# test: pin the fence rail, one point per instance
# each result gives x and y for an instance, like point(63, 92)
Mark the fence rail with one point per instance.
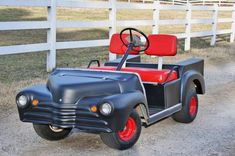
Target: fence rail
point(192, 2)
point(52, 24)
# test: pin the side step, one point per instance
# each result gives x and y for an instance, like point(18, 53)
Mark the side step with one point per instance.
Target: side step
point(164, 113)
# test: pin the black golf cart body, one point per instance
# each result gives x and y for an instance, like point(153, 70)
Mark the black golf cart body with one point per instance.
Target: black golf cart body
point(66, 100)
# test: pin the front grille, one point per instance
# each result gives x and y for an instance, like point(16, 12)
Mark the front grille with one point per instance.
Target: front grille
point(66, 116)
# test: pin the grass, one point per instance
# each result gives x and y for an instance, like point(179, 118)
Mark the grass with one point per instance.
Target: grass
point(15, 68)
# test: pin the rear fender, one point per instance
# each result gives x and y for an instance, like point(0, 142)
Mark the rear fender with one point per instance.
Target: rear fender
point(192, 77)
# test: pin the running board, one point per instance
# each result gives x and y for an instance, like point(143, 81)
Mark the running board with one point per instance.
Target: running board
point(163, 114)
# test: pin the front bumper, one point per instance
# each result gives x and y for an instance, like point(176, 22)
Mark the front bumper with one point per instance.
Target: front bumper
point(65, 116)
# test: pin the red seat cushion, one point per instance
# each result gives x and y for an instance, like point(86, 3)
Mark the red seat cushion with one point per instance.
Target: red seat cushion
point(162, 45)
point(117, 47)
point(146, 74)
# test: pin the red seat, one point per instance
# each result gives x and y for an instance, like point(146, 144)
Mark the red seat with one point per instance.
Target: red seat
point(146, 74)
point(160, 45)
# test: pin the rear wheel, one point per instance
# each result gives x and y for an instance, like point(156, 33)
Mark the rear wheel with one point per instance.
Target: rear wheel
point(51, 133)
point(190, 107)
point(127, 137)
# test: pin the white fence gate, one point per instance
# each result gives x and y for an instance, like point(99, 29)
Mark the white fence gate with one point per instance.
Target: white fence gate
point(52, 24)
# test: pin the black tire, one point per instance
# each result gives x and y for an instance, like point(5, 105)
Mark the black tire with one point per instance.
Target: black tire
point(47, 133)
point(186, 115)
point(114, 140)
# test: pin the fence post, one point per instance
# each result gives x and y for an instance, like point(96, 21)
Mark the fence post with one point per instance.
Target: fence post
point(113, 26)
point(51, 36)
point(232, 37)
point(188, 28)
point(156, 17)
point(214, 24)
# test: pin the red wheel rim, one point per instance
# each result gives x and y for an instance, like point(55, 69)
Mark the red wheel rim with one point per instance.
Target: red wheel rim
point(193, 106)
point(129, 130)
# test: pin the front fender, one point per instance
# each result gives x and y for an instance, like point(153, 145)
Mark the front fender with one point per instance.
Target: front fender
point(39, 92)
point(192, 77)
point(123, 105)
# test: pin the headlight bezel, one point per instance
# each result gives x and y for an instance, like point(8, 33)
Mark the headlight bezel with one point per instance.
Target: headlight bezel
point(109, 105)
point(19, 104)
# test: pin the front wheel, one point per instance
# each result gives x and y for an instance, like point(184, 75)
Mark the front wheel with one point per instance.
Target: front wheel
point(127, 137)
point(51, 133)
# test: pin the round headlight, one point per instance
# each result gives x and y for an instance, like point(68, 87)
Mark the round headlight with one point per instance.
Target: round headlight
point(106, 109)
point(22, 100)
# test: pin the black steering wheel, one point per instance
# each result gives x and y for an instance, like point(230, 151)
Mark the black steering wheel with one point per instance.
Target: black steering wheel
point(134, 39)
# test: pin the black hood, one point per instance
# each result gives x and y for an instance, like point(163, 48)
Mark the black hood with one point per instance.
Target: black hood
point(70, 86)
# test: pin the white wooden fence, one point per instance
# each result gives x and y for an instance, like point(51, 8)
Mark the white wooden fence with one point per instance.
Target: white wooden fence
point(198, 2)
point(192, 2)
point(52, 24)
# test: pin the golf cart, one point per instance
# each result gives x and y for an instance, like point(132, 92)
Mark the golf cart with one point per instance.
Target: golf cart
point(116, 99)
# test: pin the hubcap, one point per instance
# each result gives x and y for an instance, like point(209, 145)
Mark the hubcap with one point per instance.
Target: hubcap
point(55, 129)
point(193, 106)
point(129, 130)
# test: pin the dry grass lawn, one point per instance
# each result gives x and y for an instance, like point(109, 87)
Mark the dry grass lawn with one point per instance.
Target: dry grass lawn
point(17, 71)
point(29, 66)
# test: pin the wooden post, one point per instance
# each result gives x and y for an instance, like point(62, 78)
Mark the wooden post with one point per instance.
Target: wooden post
point(188, 28)
point(214, 24)
point(51, 36)
point(113, 25)
point(232, 37)
point(156, 17)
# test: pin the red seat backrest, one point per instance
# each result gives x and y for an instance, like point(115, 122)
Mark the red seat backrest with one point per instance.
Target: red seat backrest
point(117, 47)
point(162, 45)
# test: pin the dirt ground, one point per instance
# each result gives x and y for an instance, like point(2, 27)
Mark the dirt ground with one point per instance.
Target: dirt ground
point(212, 133)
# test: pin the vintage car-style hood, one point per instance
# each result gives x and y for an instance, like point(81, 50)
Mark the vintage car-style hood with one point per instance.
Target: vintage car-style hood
point(69, 86)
